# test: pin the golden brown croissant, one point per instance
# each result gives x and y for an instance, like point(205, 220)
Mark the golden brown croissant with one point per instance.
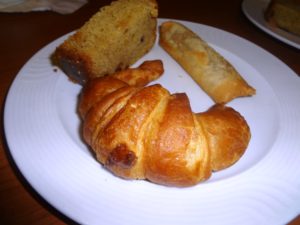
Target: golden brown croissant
point(148, 133)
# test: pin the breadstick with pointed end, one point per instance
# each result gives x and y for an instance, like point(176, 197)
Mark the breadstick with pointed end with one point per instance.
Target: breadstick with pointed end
point(213, 73)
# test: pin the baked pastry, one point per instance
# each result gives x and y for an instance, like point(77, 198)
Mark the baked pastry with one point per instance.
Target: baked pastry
point(215, 75)
point(142, 75)
point(284, 14)
point(147, 133)
point(113, 39)
point(93, 91)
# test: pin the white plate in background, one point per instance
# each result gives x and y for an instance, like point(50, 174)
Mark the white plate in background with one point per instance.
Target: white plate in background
point(254, 11)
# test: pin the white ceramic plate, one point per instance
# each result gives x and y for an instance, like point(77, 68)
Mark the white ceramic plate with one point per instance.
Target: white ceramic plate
point(254, 10)
point(43, 134)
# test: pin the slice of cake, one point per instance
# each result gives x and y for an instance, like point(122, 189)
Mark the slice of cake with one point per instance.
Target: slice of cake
point(113, 39)
point(284, 14)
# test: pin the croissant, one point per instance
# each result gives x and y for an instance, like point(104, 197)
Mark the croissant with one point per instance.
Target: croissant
point(144, 132)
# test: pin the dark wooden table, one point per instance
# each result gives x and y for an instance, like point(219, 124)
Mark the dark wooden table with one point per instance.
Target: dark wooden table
point(22, 34)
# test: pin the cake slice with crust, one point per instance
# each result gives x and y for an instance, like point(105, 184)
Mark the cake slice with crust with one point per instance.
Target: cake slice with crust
point(114, 38)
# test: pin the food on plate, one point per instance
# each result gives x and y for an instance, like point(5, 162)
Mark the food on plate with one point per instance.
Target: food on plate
point(284, 14)
point(113, 39)
point(145, 73)
point(214, 74)
point(144, 132)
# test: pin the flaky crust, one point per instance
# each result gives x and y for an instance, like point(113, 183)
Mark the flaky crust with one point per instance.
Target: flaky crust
point(228, 135)
point(147, 133)
point(177, 150)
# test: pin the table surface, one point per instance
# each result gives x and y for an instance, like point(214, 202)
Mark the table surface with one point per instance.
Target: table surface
point(22, 34)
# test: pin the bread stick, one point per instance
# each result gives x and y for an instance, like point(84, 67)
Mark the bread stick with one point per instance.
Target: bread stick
point(213, 73)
